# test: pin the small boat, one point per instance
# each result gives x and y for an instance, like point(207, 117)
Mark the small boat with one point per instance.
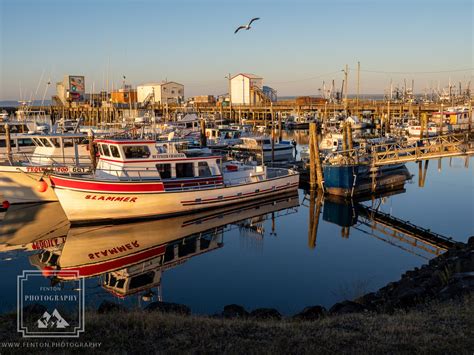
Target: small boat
point(414, 130)
point(255, 146)
point(143, 179)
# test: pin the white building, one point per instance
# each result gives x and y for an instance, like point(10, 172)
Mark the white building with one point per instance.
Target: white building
point(246, 89)
point(160, 93)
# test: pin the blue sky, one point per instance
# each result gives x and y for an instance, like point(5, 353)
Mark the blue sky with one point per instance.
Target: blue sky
point(294, 47)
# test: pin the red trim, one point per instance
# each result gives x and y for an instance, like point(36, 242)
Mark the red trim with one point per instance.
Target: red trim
point(117, 263)
point(159, 160)
point(110, 141)
point(105, 187)
point(235, 197)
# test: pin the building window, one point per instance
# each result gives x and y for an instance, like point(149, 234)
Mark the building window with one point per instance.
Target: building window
point(115, 151)
point(136, 151)
point(164, 170)
point(203, 169)
point(172, 91)
point(184, 170)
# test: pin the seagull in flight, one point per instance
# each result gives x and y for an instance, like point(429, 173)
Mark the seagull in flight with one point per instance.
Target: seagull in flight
point(247, 27)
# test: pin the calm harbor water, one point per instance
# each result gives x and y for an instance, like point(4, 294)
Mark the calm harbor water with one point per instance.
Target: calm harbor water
point(256, 255)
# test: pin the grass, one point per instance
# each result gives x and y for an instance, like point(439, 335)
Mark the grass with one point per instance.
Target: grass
point(437, 328)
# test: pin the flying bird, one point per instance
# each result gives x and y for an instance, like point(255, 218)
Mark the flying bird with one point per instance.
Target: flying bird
point(247, 27)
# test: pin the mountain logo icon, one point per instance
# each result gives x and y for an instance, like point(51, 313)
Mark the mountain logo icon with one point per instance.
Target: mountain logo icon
point(50, 321)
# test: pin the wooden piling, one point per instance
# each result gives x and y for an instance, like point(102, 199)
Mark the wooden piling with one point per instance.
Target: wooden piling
point(344, 137)
point(8, 142)
point(203, 133)
point(316, 170)
point(315, 203)
point(349, 135)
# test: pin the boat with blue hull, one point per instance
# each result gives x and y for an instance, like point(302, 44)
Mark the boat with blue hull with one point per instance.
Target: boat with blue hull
point(355, 179)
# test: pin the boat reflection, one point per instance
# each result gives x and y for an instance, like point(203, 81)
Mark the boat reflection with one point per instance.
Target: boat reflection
point(368, 219)
point(131, 257)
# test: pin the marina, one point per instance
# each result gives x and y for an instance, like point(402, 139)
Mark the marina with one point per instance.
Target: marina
point(236, 177)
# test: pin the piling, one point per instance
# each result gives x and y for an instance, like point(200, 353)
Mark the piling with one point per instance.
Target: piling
point(92, 149)
point(349, 135)
point(8, 142)
point(344, 137)
point(315, 203)
point(316, 169)
point(203, 133)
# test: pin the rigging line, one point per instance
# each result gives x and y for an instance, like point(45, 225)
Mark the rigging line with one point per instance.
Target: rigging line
point(414, 72)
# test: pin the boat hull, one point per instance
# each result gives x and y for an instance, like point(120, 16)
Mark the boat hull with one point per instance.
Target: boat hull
point(18, 185)
point(84, 201)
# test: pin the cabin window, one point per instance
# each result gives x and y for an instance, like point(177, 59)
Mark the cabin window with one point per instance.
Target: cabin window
point(164, 170)
point(37, 142)
point(203, 169)
point(120, 283)
point(25, 142)
point(142, 280)
point(184, 170)
point(136, 151)
point(106, 150)
point(55, 142)
point(101, 152)
point(266, 141)
point(68, 143)
point(115, 152)
point(45, 142)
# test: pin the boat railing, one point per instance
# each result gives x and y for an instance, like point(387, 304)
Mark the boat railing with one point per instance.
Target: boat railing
point(24, 158)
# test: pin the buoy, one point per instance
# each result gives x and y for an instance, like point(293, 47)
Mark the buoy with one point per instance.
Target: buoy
point(5, 204)
point(47, 271)
point(42, 186)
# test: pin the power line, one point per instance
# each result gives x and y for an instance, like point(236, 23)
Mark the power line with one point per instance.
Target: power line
point(414, 72)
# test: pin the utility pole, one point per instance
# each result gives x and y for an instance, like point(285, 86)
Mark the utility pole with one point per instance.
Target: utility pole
point(345, 88)
point(358, 88)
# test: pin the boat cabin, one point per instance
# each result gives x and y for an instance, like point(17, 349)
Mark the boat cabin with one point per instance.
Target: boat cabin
point(60, 148)
point(148, 159)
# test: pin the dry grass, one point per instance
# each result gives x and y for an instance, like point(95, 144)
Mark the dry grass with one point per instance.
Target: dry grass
point(439, 328)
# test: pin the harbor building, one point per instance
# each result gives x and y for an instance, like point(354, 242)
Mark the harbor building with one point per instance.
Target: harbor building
point(71, 89)
point(125, 95)
point(248, 89)
point(160, 93)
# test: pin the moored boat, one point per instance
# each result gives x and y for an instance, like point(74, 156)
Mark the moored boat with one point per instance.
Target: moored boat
point(141, 179)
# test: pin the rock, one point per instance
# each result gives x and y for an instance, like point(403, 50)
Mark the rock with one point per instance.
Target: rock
point(459, 285)
point(34, 310)
point(110, 307)
point(265, 313)
point(346, 307)
point(407, 297)
point(234, 311)
point(470, 241)
point(167, 307)
point(310, 313)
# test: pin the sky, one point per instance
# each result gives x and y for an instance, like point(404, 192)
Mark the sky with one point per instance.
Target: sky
point(296, 46)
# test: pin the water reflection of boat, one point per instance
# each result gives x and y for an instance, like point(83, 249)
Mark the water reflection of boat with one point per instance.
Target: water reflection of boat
point(33, 226)
point(147, 246)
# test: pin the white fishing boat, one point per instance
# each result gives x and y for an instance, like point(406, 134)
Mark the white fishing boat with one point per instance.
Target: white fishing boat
point(22, 174)
point(141, 178)
point(415, 129)
point(222, 137)
point(282, 151)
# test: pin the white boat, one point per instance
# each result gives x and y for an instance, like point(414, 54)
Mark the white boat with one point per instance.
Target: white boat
point(21, 174)
point(414, 130)
point(283, 150)
point(141, 178)
point(223, 137)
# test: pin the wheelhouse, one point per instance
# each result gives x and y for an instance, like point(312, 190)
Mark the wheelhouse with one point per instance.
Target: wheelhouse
point(149, 159)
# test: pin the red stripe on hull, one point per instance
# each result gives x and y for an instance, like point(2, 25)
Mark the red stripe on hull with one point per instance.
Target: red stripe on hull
point(118, 263)
point(107, 186)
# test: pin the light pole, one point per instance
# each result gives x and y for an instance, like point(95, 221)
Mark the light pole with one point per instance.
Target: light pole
point(228, 77)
